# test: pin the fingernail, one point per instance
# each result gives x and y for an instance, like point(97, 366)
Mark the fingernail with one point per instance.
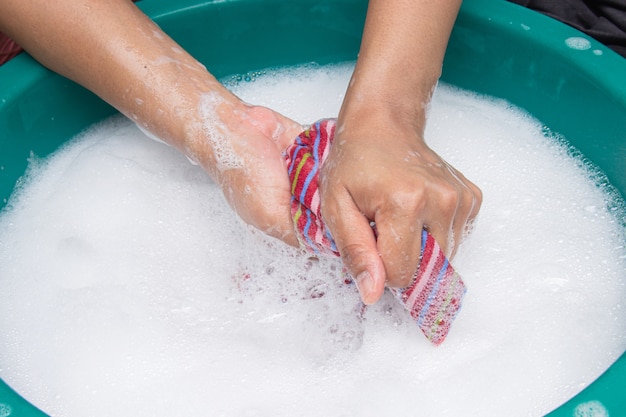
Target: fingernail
point(365, 284)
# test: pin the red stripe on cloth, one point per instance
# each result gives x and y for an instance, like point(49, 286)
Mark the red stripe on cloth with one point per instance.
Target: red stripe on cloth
point(8, 48)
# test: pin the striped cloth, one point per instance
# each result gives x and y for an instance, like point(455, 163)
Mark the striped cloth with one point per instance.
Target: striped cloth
point(434, 297)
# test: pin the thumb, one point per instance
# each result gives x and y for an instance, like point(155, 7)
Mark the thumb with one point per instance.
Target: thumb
point(281, 129)
point(356, 243)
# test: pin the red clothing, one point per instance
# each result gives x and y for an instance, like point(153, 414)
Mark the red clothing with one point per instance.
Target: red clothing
point(8, 48)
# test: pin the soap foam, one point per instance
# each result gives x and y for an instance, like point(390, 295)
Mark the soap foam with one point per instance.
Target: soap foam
point(129, 287)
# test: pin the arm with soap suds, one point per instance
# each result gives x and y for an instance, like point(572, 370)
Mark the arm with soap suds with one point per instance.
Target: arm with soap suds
point(116, 51)
point(380, 168)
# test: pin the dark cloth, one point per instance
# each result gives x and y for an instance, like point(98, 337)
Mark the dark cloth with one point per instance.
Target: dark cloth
point(603, 20)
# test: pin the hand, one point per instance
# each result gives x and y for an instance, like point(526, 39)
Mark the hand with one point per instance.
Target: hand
point(244, 156)
point(382, 171)
point(165, 90)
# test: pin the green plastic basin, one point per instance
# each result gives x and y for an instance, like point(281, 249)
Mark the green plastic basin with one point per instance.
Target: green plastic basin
point(570, 82)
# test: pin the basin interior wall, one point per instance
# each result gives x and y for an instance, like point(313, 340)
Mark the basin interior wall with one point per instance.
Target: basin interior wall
point(497, 48)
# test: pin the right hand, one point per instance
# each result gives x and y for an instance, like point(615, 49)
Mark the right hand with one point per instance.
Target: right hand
point(382, 171)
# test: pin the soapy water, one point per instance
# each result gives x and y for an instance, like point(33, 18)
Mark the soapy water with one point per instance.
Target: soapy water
point(129, 287)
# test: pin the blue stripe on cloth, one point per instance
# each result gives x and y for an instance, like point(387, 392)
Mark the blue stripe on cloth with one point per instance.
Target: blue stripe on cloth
point(307, 182)
point(316, 143)
point(311, 243)
point(433, 292)
point(333, 245)
point(293, 160)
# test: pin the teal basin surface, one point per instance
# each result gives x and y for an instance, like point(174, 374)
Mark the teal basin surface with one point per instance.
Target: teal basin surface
point(573, 84)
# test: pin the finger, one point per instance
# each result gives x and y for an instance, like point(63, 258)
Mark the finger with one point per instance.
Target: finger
point(356, 243)
point(470, 200)
point(286, 132)
point(399, 244)
point(286, 233)
point(441, 214)
point(275, 126)
point(477, 201)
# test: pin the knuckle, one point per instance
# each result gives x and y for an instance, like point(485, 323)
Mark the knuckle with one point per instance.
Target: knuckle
point(469, 200)
point(407, 199)
point(448, 199)
point(478, 195)
point(473, 200)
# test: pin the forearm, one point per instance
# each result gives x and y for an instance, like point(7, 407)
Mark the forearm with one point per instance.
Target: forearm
point(379, 167)
point(114, 50)
point(400, 59)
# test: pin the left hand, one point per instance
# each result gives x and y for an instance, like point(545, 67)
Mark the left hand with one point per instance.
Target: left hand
point(245, 159)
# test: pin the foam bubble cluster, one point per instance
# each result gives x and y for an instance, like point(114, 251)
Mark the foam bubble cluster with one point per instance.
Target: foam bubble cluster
point(128, 286)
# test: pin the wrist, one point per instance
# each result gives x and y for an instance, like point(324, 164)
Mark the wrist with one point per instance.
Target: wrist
point(207, 131)
point(379, 97)
point(382, 112)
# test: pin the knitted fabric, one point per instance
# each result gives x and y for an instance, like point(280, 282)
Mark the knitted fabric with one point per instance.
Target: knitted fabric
point(434, 297)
